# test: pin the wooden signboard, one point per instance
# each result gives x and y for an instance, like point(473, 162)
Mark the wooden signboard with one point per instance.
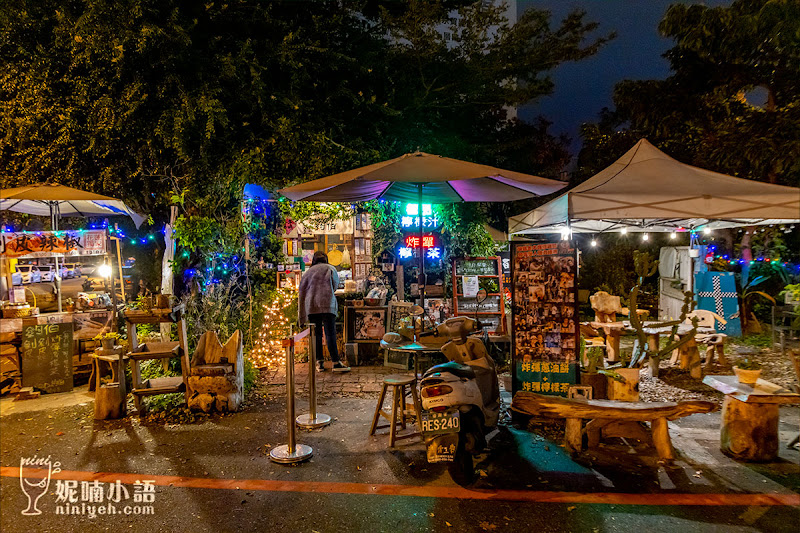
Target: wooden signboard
point(47, 357)
point(545, 328)
point(489, 273)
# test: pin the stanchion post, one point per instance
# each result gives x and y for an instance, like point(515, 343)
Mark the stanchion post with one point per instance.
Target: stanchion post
point(291, 452)
point(312, 419)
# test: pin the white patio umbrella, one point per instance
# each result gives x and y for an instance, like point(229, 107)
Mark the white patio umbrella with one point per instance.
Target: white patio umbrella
point(54, 200)
point(440, 180)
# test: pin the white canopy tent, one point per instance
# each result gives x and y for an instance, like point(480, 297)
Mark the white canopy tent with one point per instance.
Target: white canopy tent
point(645, 190)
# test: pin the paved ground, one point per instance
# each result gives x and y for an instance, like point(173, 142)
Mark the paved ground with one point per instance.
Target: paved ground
point(215, 475)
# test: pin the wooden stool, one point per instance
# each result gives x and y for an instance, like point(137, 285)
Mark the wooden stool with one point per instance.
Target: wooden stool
point(398, 383)
point(714, 341)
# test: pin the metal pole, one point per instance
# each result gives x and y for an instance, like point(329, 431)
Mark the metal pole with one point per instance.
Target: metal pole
point(291, 452)
point(57, 275)
point(421, 278)
point(290, 397)
point(312, 419)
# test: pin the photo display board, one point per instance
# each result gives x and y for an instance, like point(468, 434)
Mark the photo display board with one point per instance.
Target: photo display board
point(545, 329)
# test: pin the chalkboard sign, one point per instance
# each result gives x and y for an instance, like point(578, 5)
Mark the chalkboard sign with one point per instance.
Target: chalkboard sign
point(476, 267)
point(47, 357)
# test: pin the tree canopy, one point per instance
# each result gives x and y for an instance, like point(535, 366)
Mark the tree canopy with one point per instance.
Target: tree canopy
point(145, 99)
point(707, 112)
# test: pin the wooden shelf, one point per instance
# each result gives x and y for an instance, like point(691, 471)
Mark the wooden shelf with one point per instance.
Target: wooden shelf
point(161, 386)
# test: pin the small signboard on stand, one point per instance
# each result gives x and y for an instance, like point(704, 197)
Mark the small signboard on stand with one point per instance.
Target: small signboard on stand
point(47, 357)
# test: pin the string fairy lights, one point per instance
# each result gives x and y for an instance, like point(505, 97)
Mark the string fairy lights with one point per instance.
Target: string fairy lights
point(268, 350)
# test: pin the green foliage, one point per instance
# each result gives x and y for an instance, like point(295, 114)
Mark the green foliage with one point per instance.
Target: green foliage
point(196, 232)
point(748, 363)
point(700, 114)
point(760, 340)
point(251, 374)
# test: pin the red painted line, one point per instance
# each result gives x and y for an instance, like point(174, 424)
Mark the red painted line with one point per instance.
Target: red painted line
point(272, 485)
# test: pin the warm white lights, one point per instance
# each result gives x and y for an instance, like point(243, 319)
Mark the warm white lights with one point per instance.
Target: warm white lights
point(624, 231)
point(707, 230)
point(104, 270)
point(645, 237)
point(673, 235)
point(594, 242)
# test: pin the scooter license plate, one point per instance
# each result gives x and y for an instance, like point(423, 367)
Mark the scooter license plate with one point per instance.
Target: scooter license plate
point(434, 423)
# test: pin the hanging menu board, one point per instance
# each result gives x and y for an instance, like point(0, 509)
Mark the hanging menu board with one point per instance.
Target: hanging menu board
point(490, 277)
point(545, 330)
point(47, 357)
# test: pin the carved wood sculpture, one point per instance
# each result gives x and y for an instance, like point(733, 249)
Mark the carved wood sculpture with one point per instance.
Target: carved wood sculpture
point(607, 416)
point(605, 306)
point(216, 381)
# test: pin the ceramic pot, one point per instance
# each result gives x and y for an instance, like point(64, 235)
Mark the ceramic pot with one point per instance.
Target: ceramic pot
point(108, 344)
point(747, 377)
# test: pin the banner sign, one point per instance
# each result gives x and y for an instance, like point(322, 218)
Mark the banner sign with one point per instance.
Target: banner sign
point(545, 328)
point(54, 243)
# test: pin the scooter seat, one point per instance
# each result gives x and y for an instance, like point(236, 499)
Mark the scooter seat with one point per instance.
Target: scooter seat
point(457, 369)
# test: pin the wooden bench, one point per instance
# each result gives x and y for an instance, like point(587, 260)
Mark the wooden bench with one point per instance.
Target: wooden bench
point(603, 415)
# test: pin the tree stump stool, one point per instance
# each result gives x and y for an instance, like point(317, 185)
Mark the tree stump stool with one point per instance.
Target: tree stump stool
point(398, 383)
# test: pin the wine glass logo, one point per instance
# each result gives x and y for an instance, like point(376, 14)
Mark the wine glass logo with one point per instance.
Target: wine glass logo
point(36, 487)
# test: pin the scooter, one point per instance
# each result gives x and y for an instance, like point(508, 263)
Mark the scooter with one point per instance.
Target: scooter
point(460, 401)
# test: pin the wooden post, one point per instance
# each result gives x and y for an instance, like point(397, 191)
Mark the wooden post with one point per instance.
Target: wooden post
point(749, 431)
point(573, 437)
point(652, 346)
point(661, 440)
point(612, 345)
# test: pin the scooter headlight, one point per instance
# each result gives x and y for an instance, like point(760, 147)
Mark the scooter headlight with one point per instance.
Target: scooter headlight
point(438, 390)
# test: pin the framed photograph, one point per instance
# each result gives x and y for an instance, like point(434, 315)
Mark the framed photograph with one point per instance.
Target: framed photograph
point(365, 324)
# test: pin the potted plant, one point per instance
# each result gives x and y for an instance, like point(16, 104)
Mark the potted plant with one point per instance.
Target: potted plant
point(69, 305)
point(747, 370)
point(592, 361)
point(107, 340)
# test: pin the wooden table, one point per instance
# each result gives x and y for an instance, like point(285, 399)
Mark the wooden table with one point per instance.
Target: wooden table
point(689, 355)
point(749, 427)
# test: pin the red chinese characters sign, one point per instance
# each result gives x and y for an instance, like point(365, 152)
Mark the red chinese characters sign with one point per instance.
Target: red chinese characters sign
point(428, 241)
point(50, 243)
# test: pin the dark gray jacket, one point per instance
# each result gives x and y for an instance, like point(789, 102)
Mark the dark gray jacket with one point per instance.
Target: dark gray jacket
point(316, 291)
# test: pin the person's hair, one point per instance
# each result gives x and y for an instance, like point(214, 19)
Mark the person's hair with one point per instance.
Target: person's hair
point(319, 257)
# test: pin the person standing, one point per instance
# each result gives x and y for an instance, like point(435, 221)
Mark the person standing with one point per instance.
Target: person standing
point(317, 305)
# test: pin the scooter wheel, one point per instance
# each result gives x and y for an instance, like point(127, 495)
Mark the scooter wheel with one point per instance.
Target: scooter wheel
point(462, 469)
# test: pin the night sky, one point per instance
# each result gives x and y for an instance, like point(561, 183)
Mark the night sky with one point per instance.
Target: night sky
point(583, 88)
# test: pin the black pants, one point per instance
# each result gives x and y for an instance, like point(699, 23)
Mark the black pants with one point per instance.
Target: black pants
point(326, 322)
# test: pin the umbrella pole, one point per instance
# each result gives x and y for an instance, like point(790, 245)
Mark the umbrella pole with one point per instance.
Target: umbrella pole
point(57, 274)
point(421, 279)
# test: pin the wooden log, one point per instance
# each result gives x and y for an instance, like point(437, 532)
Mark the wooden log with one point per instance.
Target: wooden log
point(661, 439)
point(749, 431)
point(627, 391)
point(534, 404)
point(598, 383)
point(653, 348)
point(573, 437)
point(109, 402)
